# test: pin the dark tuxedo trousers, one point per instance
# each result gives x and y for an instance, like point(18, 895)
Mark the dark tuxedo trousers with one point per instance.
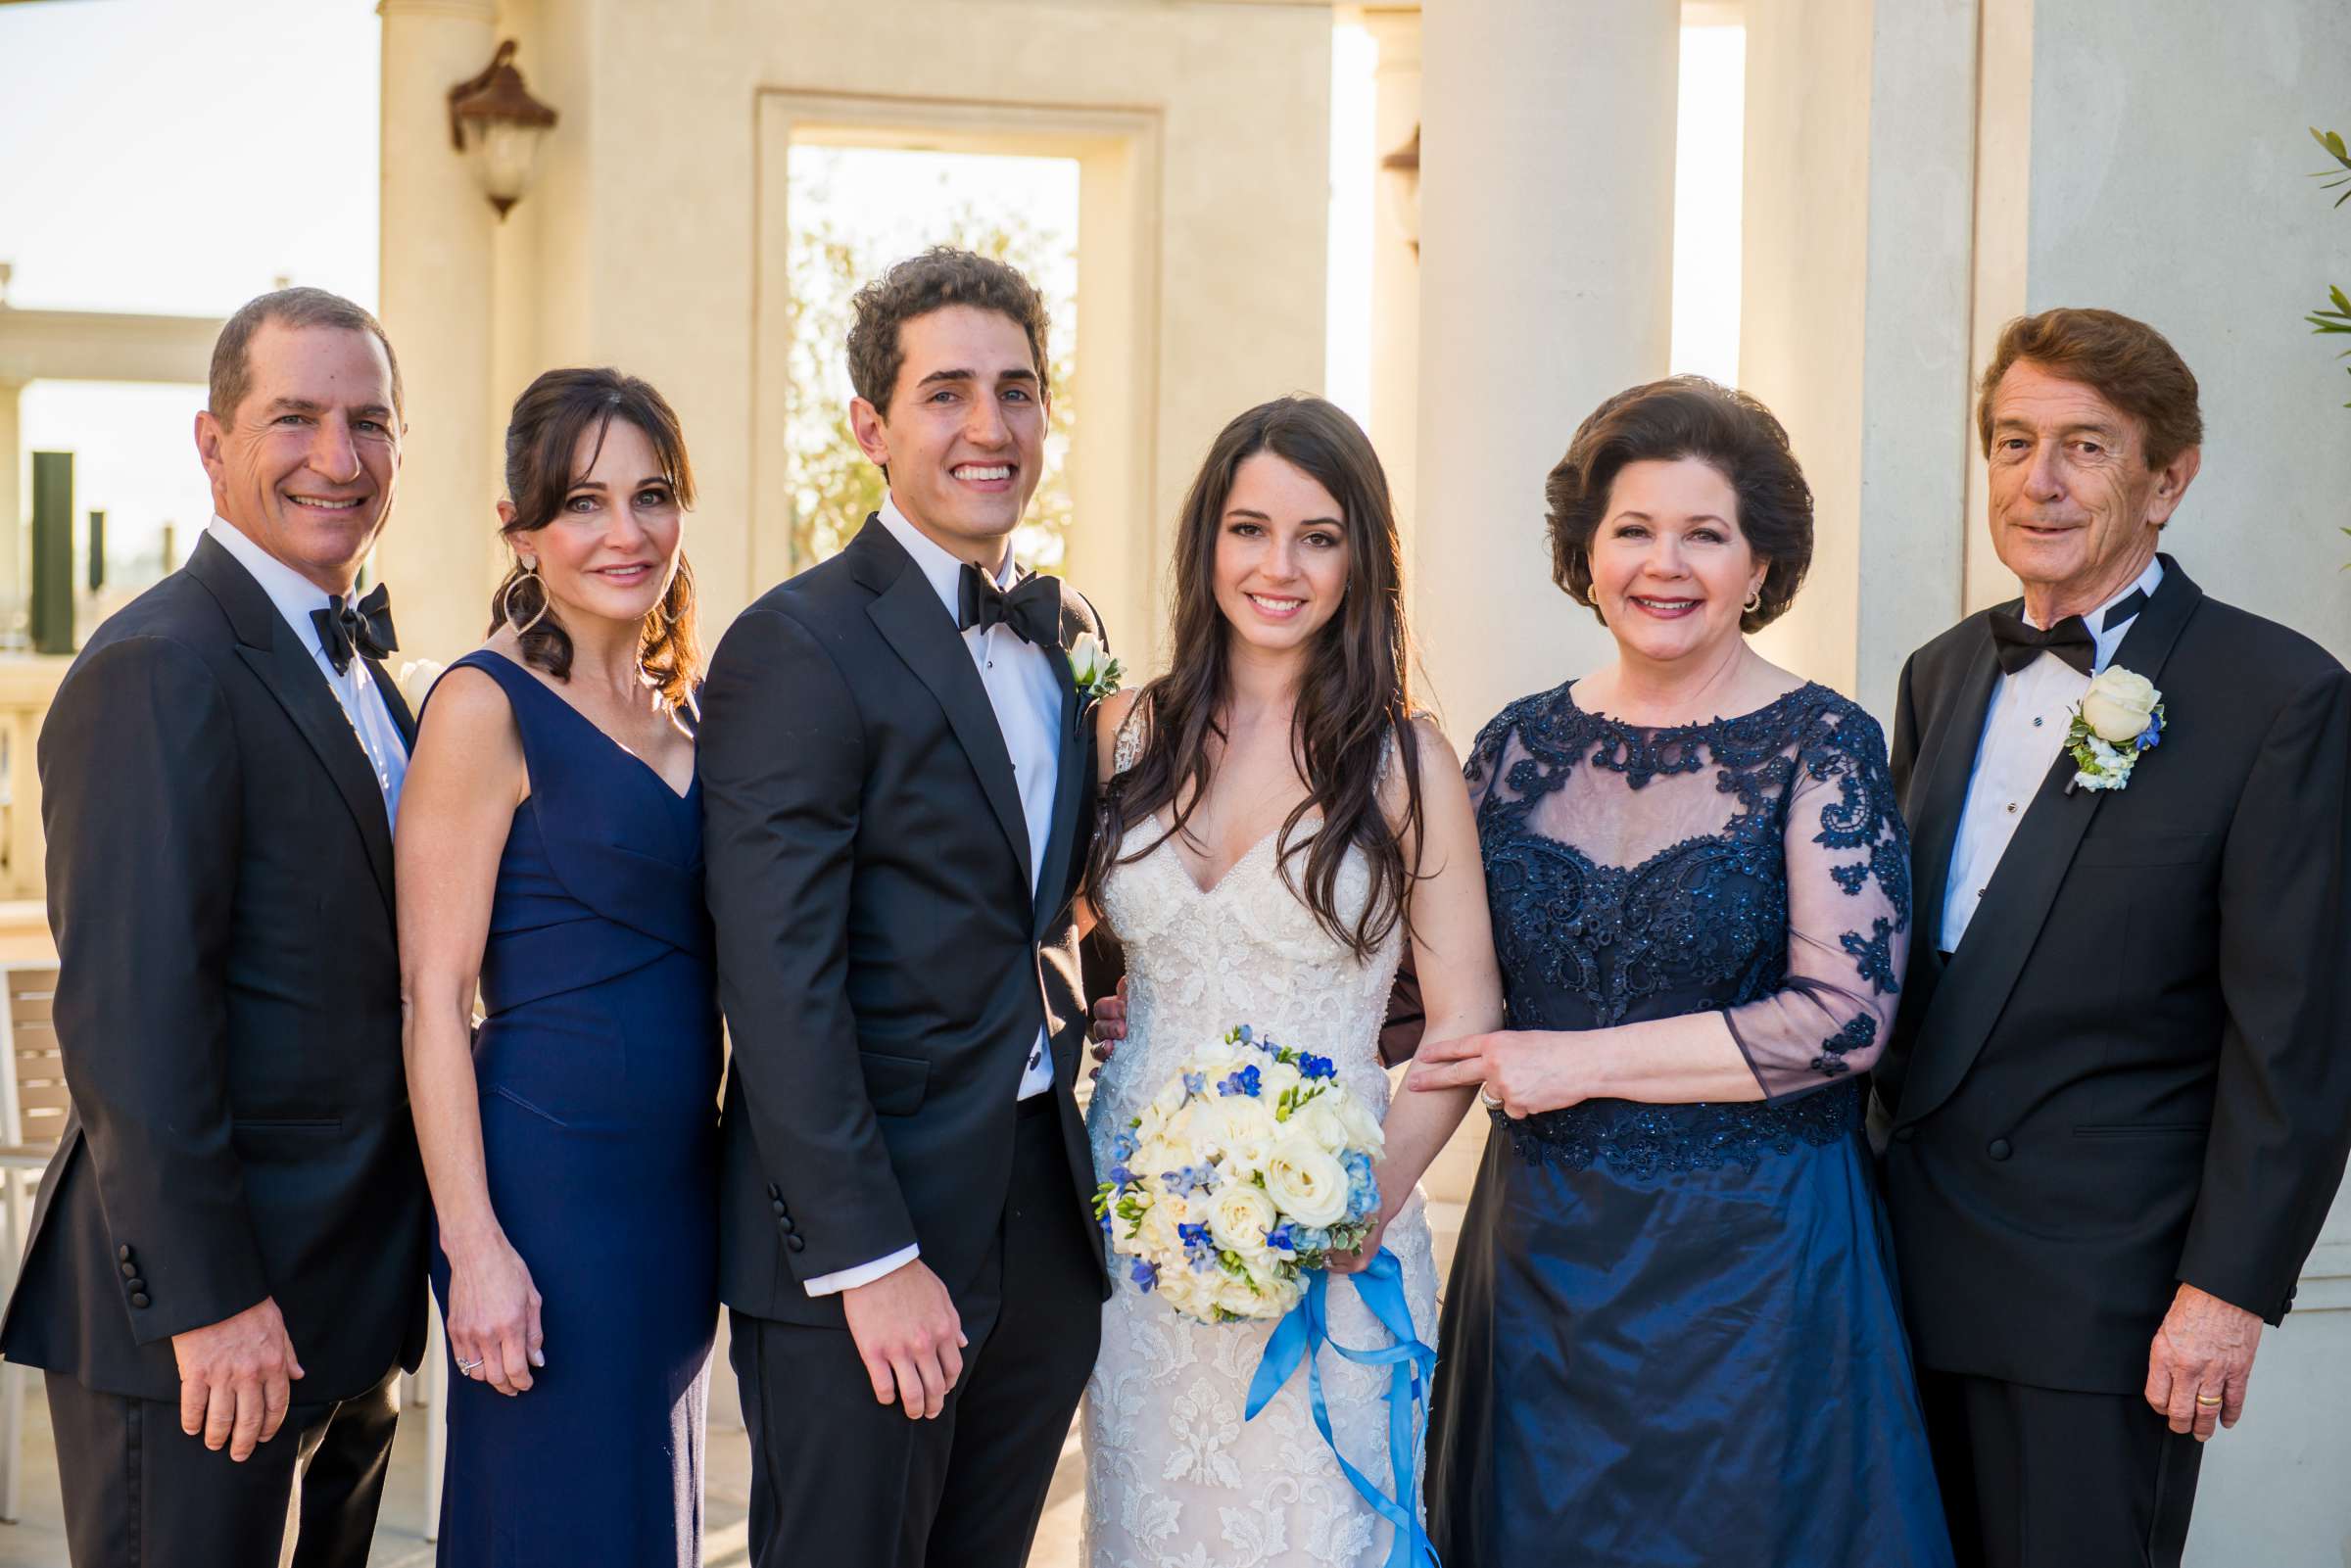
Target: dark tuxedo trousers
point(2130, 1073)
point(886, 956)
point(219, 877)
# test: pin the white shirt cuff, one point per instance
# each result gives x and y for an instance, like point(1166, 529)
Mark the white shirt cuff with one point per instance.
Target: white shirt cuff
point(863, 1274)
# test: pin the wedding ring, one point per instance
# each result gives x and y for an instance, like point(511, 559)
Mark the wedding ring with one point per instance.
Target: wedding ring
point(2208, 1399)
point(467, 1366)
point(1488, 1098)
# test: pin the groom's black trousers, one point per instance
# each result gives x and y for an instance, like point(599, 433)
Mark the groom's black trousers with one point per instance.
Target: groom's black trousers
point(2043, 1478)
point(837, 1477)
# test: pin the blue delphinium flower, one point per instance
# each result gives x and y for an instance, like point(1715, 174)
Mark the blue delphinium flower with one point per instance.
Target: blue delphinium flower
point(2153, 735)
point(1242, 1080)
point(1246, 1033)
point(1120, 1175)
point(1195, 1084)
point(1311, 1066)
point(1105, 1221)
point(1144, 1276)
point(1187, 1179)
point(1363, 1187)
point(1123, 1146)
point(1283, 1238)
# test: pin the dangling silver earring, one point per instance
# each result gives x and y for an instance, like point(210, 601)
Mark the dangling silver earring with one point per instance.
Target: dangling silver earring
point(1755, 600)
point(505, 601)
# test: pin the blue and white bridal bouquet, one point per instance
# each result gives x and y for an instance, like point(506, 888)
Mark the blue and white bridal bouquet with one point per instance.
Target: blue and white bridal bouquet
point(1245, 1172)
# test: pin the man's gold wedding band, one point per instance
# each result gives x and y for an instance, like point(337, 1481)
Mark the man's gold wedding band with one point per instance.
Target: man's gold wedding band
point(2208, 1398)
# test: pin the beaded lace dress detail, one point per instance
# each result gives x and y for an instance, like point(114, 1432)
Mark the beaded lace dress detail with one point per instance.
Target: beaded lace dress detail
point(1174, 1478)
point(1755, 866)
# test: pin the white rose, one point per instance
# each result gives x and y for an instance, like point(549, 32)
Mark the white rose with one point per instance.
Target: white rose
point(1307, 1182)
point(1324, 1122)
point(1086, 659)
point(2118, 704)
point(1273, 1078)
point(1364, 1130)
point(1240, 1218)
point(416, 677)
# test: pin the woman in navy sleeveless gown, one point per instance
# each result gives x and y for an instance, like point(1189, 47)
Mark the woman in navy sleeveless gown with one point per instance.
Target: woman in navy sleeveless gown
point(572, 1149)
point(1672, 1336)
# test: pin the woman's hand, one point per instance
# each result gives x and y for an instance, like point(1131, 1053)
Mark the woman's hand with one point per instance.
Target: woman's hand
point(1525, 1070)
point(1356, 1261)
point(494, 1328)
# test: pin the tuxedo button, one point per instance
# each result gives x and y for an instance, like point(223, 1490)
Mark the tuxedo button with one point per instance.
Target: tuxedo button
point(139, 1287)
point(777, 1207)
point(785, 1225)
point(774, 1191)
point(139, 1299)
point(1999, 1149)
point(123, 1251)
point(794, 1243)
point(129, 1270)
point(1906, 1135)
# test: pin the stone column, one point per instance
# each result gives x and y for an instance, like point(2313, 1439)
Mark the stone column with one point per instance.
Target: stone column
point(1396, 258)
point(12, 497)
point(436, 293)
point(1547, 276)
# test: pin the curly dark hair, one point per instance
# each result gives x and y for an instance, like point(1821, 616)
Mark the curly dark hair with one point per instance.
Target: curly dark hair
point(543, 438)
point(1665, 421)
point(939, 277)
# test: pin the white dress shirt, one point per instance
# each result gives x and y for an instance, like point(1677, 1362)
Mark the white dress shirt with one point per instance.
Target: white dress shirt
point(296, 597)
point(1025, 691)
point(2024, 729)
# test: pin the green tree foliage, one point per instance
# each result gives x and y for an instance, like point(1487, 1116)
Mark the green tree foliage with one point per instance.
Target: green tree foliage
point(2339, 318)
point(833, 487)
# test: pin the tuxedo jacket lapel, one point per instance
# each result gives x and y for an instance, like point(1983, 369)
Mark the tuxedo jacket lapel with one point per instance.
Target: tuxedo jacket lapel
point(394, 703)
point(274, 655)
point(1070, 786)
point(2000, 939)
point(909, 615)
point(1945, 768)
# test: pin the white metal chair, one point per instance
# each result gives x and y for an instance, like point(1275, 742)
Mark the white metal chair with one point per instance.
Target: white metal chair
point(33, 1102)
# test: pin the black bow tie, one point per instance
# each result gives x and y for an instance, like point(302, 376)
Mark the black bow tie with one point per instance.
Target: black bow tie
point(365, 627)
point(1031, 608)
point(2018, 642)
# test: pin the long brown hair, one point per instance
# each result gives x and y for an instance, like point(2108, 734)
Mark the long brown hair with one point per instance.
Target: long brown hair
point(1355, 695)
point(543, 438)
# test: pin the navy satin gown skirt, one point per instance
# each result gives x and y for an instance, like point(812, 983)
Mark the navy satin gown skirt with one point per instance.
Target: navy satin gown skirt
point(597, 1066)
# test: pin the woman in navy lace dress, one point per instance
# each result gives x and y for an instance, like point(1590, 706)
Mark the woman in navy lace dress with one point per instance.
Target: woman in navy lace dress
point(1671, 1335)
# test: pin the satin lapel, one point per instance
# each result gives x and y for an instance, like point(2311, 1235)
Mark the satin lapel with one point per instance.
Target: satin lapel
point(294, 678)
point(1947, 762)
point(2000, 939)
point(396, 704)
point(910, 617)
point(1069, 786)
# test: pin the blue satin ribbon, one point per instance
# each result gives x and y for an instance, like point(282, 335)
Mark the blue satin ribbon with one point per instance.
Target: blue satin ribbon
point(1411, 1367)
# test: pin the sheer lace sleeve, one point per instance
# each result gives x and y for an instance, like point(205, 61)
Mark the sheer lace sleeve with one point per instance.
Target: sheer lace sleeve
point(1129, 743)
point(1483, 771)
point(1849, 916)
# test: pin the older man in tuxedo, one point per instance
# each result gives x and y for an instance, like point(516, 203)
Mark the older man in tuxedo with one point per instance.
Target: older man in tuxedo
point(227, 1262)
point(2117, 1095)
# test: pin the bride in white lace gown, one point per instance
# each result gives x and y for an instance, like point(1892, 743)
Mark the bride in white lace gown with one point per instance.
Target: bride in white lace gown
point(1232, 918)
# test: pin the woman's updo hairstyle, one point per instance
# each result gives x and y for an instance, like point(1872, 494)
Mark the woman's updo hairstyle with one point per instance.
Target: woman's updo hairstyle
point(1665, 421)
point(543, 441)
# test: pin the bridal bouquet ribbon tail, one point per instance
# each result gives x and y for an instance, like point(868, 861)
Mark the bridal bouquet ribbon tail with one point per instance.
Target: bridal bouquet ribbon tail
point(1302, 1335)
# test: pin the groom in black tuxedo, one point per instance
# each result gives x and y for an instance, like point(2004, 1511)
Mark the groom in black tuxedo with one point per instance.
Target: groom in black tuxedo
point(897, 785)
point(226, 1269)
point(2118, 1089)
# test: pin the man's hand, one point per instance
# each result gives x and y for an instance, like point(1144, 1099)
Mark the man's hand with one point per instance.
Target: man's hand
point(1110, 1022)
point(909, 1338)
point(2201, 1361)
point(233, 1379)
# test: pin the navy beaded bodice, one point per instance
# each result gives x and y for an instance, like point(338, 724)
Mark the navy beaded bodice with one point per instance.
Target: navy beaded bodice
point(1755, 866)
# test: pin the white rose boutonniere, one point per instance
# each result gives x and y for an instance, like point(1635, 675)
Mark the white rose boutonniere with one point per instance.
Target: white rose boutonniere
point(416, 677)
point(1094, 675)
point(2118, 719)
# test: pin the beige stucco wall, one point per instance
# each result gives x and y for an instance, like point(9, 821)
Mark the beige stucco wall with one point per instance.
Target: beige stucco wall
point(653, 226)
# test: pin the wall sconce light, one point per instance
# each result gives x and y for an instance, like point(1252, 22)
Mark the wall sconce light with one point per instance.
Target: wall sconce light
point(495, 123)
point(1403, 170)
